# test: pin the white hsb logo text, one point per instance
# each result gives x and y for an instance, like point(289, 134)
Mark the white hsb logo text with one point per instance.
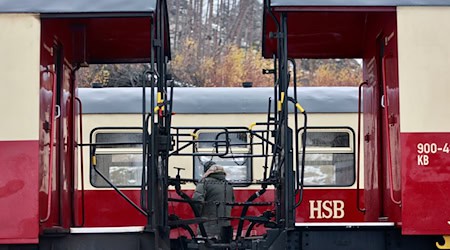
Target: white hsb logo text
point(326, 209)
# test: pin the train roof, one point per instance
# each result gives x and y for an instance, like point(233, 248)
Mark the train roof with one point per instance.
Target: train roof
point(218, 100)
point(115, 31)
point(331, 28)
point(293, 3)
point(77, 6)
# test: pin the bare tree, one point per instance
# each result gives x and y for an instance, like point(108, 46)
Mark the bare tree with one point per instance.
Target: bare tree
point(218, 43)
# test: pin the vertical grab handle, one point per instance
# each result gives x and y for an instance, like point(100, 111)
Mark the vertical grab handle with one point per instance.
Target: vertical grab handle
point(358, 162)
point(80, 105)
point(388, 136)
point(58, 111)
point(51, 144)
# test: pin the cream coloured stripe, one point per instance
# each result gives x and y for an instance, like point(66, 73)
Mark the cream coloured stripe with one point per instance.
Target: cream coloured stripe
point(424, 68)
point(19, 76)
point(90, 121)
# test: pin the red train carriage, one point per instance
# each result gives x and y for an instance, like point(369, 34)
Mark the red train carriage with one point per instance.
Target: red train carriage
point(404, 47)
point(330, 176)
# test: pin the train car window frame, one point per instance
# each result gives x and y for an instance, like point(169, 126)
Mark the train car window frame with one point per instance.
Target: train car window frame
point(121, 151)
point(350, 149)
point(235, 151)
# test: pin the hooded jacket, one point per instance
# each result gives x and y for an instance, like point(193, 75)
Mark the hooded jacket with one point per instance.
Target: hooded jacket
point(214, 190)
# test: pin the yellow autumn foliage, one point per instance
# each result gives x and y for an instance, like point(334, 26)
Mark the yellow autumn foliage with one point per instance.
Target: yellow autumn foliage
point(329, 75)
point(229, 68)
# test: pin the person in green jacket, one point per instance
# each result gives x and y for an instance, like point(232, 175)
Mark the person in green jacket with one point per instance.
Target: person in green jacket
point(214, 191)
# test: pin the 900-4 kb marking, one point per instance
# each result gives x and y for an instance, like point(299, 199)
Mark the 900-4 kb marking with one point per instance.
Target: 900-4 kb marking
point(427, 148)
point(423, 149)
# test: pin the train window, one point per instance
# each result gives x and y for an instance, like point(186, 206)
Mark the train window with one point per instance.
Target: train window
point(328, 139)
point(236, 165)
point(209, 140)
point(119, 138)
point(329, 157)
point(121, 163)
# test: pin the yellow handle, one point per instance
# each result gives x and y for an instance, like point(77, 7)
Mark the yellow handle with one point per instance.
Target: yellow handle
point(280, 103)
point(251, 126)
point(446, 244)
point(195, 135)
point(159, 98)
point(94, 160)
point(299, 107)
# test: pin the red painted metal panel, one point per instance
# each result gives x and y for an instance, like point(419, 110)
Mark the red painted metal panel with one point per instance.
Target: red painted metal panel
point(18, 191)
point(106, 39)
point(371, 143)
point(372, 147)
point(426, 185)
point(67, 148)
point(322, 32)
point(48, 127)
point(107, 208)
point(391, 125)
point(381, 149)
point(56, 41)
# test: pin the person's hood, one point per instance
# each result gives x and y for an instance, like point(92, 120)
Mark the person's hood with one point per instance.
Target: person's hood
point(218, 176)
point(215, 172)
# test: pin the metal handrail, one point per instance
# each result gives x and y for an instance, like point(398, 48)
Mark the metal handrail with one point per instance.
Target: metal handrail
point(388, 137)
point(358, 163)
point(81, 160)
point(50, 163)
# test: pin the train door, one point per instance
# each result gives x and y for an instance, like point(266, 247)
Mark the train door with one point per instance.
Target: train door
point(381, 127)
point(372, 131)
point(62, 144)
point(389, 125)
point(58, 157)
point(51, 81)
point(65, 139)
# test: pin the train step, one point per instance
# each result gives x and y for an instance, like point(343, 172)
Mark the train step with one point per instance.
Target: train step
point(99, 238)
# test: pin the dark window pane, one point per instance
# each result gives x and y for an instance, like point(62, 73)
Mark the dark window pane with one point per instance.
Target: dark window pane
point(123, 170)
point(327, 139)
point(213, 139)
point(237, 168)
point(329, 169)
point(119, 138)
